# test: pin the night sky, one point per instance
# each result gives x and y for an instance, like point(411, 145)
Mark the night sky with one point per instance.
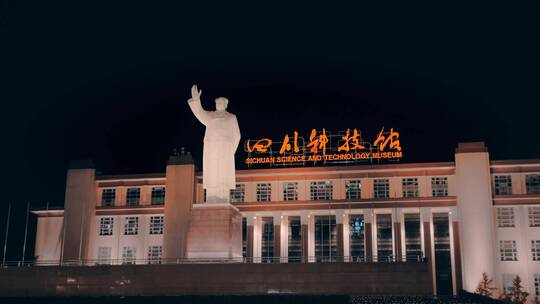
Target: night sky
point(110, 83)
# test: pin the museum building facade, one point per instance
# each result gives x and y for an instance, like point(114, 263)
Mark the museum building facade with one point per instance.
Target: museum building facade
point(463, 218)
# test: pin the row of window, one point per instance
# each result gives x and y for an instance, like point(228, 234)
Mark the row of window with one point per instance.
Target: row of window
point(129, 254)
point(133, 196)
point(323, 190)
point(508, 250)
point(506, 217)
point(131, 225)
point(503, 184)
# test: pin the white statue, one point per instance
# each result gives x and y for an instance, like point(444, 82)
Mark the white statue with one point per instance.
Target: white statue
point(220, 143)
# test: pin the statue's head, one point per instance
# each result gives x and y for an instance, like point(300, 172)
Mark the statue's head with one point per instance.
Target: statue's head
point(221, 103)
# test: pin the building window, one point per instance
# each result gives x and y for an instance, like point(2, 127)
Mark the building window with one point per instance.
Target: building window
point(325, 238)
point(154, 254)
point(238, 194)
point(384, 237)
point(381, 188)
point(535, 250)
point(439, 186)
point(534, 216)
point(503, 184)
point(508, 250)
point(267, 240)
point(537, 284)
point(158, 195)
point(104, 255)
point(106, 226)
point(532, 182)
point(413, 241)
point(321, 190)
point(129, 255)
point(156, 224)
point(353, 189)
point(508, 282)
point(131, 226)
point(290, 191)
point(410, 187)
point(295, 239)
point(107, 197)
point(133, 197)
point(356, 237)
point(505, 217)
point(264, 192)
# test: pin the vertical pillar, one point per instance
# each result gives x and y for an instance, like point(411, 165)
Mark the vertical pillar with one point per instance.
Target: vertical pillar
point(304, 229)
point(79, 210)
point(179, 197)
point(339, 235)
point(346, 236)
point(456, 251)
point(257, 238)
point(474, 204)
point(397, 234)
point(284, 238)
point(368, 221)
point(250, 236)
point(425, 217)
point(277, 236)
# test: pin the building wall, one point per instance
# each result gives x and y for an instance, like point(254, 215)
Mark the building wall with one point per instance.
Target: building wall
point(118, 240)
point(49, 239)
point(466, 188)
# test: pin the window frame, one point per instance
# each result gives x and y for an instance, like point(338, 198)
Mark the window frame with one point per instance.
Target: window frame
point(408, 182)
point(156, 224)
point(290, 191)
point(238, 194)
point(106, 229)
point(439, 186)
point(321, 190)
point(132, 201)
point(132, 230)
point(263, 192)
point(155, 199)
point(381, 184)
point(352, 192)
point(508, 253)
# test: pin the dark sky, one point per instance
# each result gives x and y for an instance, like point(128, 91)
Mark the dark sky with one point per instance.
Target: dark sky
point(110, 82)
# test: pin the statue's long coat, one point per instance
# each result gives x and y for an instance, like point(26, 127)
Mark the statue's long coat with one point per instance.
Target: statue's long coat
point(220, 143)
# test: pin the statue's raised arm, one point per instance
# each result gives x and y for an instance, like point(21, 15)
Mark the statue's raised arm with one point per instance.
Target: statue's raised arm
point(196, 107)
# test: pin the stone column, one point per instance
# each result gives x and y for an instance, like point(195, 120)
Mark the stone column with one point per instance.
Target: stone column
point(304, 221)
point(339, 235)
point(277, 236)
point(397, 218)
point(427, 237)
point(250, 237)
point(456, 252)
point(368, 222)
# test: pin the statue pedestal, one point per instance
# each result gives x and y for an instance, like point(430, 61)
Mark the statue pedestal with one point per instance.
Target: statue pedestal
point(215, 231)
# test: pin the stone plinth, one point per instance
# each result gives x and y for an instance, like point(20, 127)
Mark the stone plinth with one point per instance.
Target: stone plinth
point(215, 231)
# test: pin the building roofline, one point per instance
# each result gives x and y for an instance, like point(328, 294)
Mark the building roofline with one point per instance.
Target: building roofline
point(131, 176)
point(516, 161)
point(348, 168)
point(396, 166)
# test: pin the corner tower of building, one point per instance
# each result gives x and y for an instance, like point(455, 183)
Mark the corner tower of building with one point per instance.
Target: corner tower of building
point(474, 203)
point(79, 210)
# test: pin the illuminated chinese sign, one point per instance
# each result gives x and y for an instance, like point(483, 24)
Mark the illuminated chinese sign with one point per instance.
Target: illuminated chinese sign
point(324, 146)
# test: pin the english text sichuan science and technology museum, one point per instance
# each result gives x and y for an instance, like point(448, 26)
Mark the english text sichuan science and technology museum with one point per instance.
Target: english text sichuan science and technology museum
point(295, 222)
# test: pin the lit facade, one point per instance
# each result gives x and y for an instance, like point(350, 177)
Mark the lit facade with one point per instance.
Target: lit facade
point(464, 217)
